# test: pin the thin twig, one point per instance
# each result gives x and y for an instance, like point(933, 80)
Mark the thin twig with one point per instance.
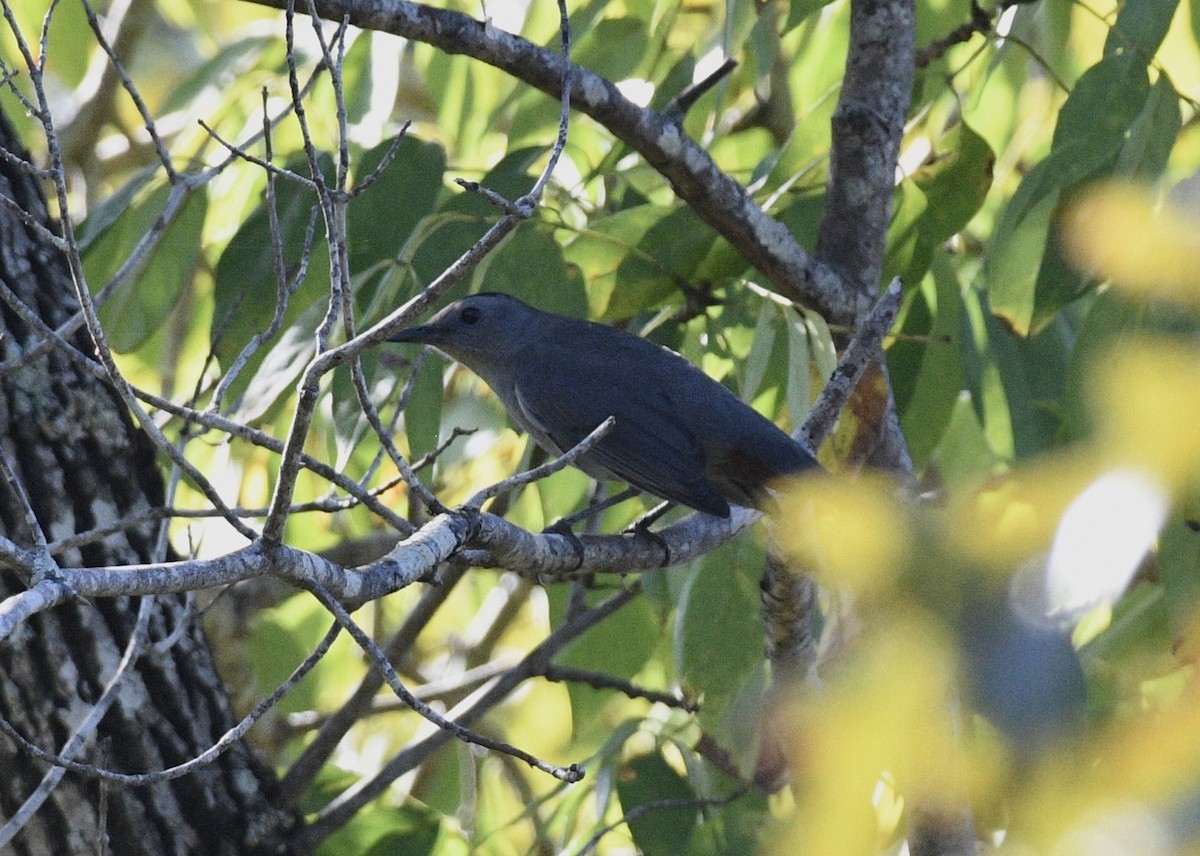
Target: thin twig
point(572, 773)
point(681, 103)
point(601, 681)
point(547, 469)
point(148, 123)
point(337, 813)
point(857, 356)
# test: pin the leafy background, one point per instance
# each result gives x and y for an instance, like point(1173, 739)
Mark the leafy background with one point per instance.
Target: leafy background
point(1040, 346)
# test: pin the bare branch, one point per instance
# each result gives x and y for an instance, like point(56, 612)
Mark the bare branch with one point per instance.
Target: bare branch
point(863, 349)
point(597, 680)
point(347, 804)
point(573, 773)
point(547, 469)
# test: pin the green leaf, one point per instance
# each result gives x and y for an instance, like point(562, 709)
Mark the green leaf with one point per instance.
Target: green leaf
point(630, 258)
point(801, 9)
point(926, 373)
point(955, 185)
point(963, 455)
point(620, 645)
point(1017, 385)
point(530, 265)
point(613, 48)
point(742, 826)
point(907, 254)
point(423, 416)
point(357, 80)
point(1101, 108)
point(660, 831)
point(410, 829)
point(245, 282)
point(1014, 260)
point(718, 644)
point(277, 365)
point(383, 217)
point(137, 309)
point(464, 217)
point(1028, 281)
point(1153, 134)
point(1140, 27)
point(108, 212)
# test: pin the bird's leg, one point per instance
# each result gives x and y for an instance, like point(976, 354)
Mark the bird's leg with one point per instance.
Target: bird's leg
point(563, 527)
point(641, 526)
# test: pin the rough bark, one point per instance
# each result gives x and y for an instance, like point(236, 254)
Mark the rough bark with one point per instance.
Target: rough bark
point(82, 462)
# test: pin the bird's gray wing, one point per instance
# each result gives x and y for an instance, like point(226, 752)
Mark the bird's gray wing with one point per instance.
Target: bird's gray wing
point(649, 446)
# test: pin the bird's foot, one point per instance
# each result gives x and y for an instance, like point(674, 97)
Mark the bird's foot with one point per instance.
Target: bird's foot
point(641, 528)
point(563, 527)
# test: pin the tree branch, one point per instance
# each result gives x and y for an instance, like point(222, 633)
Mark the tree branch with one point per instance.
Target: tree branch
point(718, 199)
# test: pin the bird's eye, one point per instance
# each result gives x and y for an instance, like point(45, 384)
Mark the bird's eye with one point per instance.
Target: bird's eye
point(470, 315)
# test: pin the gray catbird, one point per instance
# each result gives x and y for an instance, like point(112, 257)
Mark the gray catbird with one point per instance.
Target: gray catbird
point(679, 434)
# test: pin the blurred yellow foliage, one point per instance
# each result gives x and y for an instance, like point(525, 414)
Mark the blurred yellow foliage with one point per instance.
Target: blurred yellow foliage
point(853, 534)
point(1119, 231)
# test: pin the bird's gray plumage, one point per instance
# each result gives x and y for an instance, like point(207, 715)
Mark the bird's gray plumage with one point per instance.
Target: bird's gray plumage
point(679, 434)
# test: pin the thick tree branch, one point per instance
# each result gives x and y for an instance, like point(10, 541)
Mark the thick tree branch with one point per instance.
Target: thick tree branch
point(718, 199)
point(867, 127)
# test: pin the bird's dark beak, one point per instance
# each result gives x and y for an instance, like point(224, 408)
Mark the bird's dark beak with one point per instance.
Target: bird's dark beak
point(412, 334)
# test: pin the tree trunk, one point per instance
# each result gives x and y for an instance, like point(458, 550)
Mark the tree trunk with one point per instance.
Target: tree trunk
point(83, 463)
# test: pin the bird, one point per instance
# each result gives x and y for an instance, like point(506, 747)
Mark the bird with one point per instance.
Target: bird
point(679, 434)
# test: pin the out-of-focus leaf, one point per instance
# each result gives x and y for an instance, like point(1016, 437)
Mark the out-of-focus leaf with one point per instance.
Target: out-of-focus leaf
point(409, 829)
point(718, 644)
point(1119, 231)
point(613, 48)
point(649, 779)
point(853, 534)
point(1027, 280)
point(70, 44)
point(137, 309)
point(246, 283)
point(216, 71)
point(380, 220)
point(637, 255)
